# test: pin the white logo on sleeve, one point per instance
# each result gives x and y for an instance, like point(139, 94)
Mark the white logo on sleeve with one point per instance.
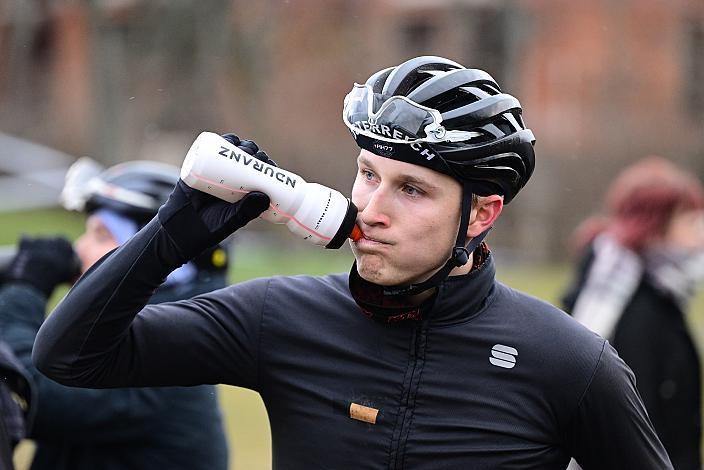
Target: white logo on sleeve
point(503, 356)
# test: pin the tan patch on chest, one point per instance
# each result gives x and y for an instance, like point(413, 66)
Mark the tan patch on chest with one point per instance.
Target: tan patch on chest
point(363, 413)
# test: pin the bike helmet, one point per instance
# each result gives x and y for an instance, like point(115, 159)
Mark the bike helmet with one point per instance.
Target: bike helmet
point(134, 189)
point(434, 112)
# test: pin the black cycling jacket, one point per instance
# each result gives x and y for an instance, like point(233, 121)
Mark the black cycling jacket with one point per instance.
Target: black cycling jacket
point(127, 428)
point(490, 379)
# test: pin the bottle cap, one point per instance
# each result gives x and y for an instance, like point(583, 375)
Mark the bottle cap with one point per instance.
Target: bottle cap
point(356, 233)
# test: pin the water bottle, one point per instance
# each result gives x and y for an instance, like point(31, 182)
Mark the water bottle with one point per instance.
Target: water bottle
point(316, 213)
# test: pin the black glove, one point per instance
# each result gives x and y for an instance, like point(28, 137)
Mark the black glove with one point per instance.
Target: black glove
point(250, 147)
point(196, 221)
point(44, 263)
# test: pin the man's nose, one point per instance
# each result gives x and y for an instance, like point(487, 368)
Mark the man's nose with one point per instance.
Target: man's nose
point(78, 243)
point(376, 210)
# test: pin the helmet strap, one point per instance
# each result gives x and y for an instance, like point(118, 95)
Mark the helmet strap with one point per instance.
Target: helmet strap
point(460, 252)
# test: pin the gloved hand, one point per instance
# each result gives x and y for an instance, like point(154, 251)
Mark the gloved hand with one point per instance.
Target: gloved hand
point(250, 147)
point(44, 263)
point(196, 221)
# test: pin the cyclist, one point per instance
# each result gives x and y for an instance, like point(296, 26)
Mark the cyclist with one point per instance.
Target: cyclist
point(416, 359)
point(128, 428)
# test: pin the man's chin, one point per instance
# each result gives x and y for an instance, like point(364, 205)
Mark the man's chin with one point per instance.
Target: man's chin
point(377, 275)
point(371, 272)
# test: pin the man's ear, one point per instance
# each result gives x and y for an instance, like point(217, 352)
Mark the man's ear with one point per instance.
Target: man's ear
point(484, 214)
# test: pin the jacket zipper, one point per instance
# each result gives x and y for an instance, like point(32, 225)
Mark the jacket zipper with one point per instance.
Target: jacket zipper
point(411, 381)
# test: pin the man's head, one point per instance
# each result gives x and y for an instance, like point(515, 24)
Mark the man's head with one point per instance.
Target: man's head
point(118, 201)
point(654, 202)
point(432, 122)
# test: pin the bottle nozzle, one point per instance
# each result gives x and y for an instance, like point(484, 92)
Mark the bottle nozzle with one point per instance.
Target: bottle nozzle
point(356, 233)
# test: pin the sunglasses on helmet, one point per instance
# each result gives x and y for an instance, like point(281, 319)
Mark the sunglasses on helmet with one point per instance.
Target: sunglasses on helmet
point(397, 119)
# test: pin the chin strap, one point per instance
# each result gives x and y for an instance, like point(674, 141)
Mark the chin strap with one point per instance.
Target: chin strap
point(460, 252)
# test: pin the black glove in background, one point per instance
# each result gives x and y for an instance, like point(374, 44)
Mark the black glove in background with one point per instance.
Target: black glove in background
point(44, 263)
point(196, 221)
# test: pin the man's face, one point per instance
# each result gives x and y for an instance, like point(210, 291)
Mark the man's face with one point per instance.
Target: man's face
point(409, 215)
point(94, 243)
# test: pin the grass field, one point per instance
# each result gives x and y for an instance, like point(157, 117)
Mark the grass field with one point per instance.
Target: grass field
point(246, 421)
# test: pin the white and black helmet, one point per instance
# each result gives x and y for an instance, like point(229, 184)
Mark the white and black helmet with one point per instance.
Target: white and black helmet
point(434, 112)
point(135, 189)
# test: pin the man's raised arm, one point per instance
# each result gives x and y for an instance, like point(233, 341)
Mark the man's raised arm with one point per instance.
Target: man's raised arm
point(88, 339)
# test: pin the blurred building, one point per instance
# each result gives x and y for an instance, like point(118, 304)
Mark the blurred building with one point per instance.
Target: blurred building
point(603, 82)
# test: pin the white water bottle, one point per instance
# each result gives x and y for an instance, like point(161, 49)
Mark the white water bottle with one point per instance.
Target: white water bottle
point(317, 213)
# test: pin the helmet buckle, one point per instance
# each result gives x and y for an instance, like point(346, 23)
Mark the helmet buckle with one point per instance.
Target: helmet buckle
point(460, 255)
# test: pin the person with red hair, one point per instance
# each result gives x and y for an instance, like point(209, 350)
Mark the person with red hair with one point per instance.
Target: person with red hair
point(642, 263)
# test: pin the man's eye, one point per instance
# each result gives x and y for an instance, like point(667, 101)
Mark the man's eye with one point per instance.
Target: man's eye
point(368, 175)
point(411, 191)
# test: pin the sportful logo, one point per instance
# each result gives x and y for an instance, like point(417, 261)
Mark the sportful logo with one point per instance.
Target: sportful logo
point(503, 356)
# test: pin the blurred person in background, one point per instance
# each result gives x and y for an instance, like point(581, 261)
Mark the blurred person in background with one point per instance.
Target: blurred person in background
point(417, 358)
point(640, 267)
point(17, 401)
point(82, 429)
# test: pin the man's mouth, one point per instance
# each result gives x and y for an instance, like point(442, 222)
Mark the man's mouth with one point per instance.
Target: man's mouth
point(369, 239)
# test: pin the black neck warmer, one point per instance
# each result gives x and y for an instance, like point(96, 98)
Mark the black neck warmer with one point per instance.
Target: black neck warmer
point(376, 303)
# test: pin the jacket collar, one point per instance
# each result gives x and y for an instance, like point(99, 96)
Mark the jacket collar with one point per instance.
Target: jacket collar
point(462, 297)
point(458, 298)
